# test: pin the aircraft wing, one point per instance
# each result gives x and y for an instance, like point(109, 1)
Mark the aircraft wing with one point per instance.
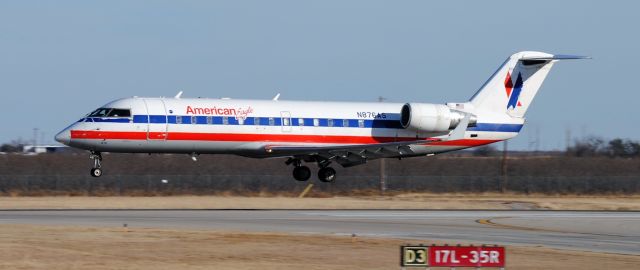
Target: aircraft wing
point(346, 147)
point(355, 154)
point(350, 154)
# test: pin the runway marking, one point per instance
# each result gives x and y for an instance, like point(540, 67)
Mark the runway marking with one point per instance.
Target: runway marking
point(489, 222)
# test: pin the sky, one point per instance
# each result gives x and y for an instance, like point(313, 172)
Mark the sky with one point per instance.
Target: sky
point(62, 59)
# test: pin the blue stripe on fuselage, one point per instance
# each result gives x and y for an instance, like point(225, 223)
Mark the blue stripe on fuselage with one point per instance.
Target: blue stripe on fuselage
point(496, 127)
point(277, 121)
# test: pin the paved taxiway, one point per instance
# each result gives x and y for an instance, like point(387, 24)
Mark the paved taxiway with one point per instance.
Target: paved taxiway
point(612, 232)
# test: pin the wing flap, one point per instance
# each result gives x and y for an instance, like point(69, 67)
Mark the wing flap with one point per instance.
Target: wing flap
point(349, 148)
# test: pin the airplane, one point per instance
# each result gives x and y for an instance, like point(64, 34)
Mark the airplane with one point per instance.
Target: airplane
point(346, 133)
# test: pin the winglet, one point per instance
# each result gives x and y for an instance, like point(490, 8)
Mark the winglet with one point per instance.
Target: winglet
point(178, 95)
point(461, 128)
point(276, 97)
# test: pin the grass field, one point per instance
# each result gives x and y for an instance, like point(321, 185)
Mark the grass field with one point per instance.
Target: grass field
point(65, 247)
point(398, 201)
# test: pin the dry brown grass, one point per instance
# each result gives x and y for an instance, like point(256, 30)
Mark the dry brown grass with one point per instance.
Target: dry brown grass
point(267, 201)
point(65, 247)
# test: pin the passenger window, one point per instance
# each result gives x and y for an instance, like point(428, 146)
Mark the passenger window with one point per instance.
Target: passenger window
point(119, 113)
point(256, 121)
point(194, 120)
point(178, 119)
point(225, 120)
point(209, 120)
point(316, 122)
point(345, 122)
point(361, 123)
point(285, 121)
point(240, 121)
point(330, 122)
point(271, 121)
point(301, 122)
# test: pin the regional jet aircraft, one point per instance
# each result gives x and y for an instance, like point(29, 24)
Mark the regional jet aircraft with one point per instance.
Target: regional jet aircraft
point(346, 133)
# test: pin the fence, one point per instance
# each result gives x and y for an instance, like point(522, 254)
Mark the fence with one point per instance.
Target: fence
point(244, 184)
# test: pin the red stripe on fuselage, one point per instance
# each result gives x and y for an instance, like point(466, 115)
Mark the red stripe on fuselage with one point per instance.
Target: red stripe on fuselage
point(241, 137)
point(108, 135)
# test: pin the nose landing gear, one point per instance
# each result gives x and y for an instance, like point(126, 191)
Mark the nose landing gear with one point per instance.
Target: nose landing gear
point(96, 171)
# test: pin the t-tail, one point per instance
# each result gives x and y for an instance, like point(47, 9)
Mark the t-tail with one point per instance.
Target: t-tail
point(513, 86)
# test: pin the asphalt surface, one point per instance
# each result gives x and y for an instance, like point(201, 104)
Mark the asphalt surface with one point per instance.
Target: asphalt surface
point(611, 232)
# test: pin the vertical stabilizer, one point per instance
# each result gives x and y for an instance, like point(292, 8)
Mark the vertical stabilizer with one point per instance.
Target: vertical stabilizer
point(513, 86)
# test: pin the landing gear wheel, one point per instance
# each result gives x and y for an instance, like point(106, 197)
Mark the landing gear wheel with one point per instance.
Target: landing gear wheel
point(327, 174)
point(97, 163)
point(301, 173)
point(96, 172)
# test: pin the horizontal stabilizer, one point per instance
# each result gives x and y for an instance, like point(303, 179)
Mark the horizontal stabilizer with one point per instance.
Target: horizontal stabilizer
point(555, 57)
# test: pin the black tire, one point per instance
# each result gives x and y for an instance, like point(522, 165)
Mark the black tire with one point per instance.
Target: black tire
point(301, 173)
point(327, 175)
point(96, 172)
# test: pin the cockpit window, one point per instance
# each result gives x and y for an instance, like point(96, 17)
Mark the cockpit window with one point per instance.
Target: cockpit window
point(102, 112)
point(120, 113)
point(110, 112)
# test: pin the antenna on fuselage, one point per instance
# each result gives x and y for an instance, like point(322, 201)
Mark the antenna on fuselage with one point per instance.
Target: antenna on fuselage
point(276, 97)
point(179, 95)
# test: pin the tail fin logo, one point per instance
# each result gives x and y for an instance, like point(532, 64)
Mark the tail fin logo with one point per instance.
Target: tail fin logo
point(513, 91)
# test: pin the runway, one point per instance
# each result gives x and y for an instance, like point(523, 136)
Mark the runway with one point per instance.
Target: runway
point(610, 232)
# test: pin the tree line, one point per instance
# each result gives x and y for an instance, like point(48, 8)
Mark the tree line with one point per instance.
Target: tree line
point(587, 147)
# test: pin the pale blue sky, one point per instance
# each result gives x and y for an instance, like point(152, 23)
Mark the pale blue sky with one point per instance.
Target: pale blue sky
point(61, 59)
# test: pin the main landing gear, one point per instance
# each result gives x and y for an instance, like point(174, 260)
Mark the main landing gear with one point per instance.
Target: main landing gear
point(327, 174)
point(96, 171)
point(303, 173)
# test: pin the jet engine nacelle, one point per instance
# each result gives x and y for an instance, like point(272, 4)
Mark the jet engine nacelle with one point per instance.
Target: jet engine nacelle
point(425, 117)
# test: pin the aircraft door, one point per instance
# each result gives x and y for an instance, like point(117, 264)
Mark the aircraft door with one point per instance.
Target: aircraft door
point(286, 121)
point(157, 124)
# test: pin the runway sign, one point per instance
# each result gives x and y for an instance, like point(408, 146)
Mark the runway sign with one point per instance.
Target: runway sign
point(414, 256)
point(452, 256)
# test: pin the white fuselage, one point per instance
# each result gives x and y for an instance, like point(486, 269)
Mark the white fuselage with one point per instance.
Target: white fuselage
point(246, 127)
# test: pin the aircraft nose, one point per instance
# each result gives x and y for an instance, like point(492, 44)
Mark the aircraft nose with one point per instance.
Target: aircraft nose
point(64, 137)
